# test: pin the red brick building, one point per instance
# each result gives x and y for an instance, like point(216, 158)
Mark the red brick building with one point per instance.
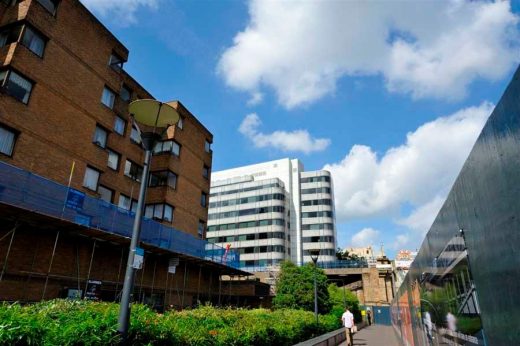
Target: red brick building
point(63, 116)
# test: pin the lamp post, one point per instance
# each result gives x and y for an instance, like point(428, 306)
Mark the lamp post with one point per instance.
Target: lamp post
point(314, 256)
point(158, 116)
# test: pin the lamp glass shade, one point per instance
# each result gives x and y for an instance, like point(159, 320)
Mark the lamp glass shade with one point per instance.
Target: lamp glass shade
point(153, 113)
point(314, 255)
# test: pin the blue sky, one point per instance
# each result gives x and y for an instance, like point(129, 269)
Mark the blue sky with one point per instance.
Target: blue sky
point(389, 96)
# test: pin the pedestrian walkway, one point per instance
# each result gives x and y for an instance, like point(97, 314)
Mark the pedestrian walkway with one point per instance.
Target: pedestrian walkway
point(375, 335)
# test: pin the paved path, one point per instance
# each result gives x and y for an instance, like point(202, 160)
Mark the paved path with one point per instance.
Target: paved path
point(375, 335)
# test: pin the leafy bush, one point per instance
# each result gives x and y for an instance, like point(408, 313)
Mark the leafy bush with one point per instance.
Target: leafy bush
point(66, 322)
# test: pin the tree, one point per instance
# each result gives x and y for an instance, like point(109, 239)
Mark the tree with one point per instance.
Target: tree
point(336, 299)
point(295, 288)
point(345, 255)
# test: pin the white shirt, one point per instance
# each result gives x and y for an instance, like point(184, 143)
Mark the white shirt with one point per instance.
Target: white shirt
point(348, 319)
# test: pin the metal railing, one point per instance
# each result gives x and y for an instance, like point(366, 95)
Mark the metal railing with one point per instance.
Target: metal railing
point(29, 191)
point(361, 263)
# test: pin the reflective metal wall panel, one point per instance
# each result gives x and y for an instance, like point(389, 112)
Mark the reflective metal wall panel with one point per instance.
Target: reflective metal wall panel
point(469, 259)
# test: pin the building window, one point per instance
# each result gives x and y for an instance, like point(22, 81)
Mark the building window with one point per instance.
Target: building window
point(100, 136)
point(125, 93)
point(159, 211)
point(205, 172)
point(108, 97)
point(7, 140)
point(200, 229)
point(113, 160)
point(50, 5)
point(15, 85)
point(90, 181)
point(203, 199)
point(133, 170)
point(167, 147)
point(10, 35)
point(127, 203)
point(180, 123)
point(34, 41)
point(119, 125)
point(135, 135)
point(207, 146)
point(116, 62)
point(105, 194)
point(163, 178)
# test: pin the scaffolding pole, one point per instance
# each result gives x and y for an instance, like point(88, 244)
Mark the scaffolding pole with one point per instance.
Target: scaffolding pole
point(119, 273)
point(50, 264)
point(198, 285)
point(184, 283)
point(153, 276)
point(13, 231)
point(90, 266)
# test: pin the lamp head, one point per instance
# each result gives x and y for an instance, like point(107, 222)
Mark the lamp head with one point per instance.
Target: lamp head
point(153, 113)
point(314, 255)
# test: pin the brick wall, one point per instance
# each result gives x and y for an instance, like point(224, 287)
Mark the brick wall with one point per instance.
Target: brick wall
point(57, 125)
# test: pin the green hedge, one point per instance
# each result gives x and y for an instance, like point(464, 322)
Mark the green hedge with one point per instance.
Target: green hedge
point(66, 322)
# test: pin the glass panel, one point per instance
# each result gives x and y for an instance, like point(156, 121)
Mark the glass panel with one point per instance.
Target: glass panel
point(207, 146)
point(168, 213)
point(165, 146)
point(113, 160)
point(180, 123)
point(176, 148)
point(108, 98)
point(90, 180)
point(18, 87)
point(172, 180)
point(50, 5)
point(125, 93)
point(158, 211)
point(105, 194)
point(136, 137)
point(10, 35)
point(148, 211)
point(100, 137)
point(134, 205)
point(6, 141)
point(35, 42)
point(128, 166)
point(116, 62)
point(119, 125)
point(124, 202)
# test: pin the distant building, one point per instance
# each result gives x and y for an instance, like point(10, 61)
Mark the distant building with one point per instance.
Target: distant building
point(271, 212)
point(362, 252)
point(402, 263)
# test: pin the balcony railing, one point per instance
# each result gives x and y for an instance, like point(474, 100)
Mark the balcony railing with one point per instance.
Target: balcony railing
point(344, 264)
point(29, 191)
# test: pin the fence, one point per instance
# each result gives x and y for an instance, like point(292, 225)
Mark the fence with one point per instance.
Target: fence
point(29, 191)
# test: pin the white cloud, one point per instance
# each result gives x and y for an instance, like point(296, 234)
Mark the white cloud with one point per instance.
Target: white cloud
point(256, 98)
point(299, 140)
point(365, 237)
point(425, 49)
point(418, 173)
point(421, 219)
point(122, 11)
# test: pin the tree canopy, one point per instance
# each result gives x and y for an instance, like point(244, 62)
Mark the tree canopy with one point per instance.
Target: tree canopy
point(295, 288)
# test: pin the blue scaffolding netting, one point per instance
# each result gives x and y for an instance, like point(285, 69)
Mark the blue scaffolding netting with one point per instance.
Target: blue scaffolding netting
point(29, 191)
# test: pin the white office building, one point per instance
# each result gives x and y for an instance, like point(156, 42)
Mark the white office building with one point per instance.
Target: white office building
point(273, 211)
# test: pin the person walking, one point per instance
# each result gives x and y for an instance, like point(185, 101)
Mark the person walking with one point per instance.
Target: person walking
point(348, 322)
point(369, 317)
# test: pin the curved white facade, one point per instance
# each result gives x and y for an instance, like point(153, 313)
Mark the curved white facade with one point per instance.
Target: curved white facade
point(271, 212)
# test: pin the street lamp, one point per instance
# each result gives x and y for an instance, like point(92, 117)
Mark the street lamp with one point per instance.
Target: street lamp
point(157, 116)
point(314, 256)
